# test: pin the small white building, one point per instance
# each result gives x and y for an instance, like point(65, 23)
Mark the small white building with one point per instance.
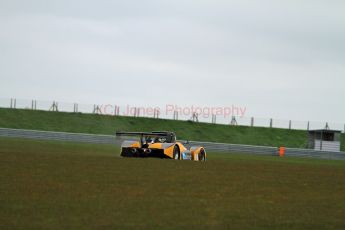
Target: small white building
point(325, 140)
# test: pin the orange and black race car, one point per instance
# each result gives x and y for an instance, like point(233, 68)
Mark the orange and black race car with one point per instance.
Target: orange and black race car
point(160, 144)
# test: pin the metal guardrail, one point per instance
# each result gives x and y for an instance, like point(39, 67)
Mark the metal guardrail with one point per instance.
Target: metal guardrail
point(273, 151)
point(210, 146)
point(226, 147)
point(60, 136)
point(314, 154)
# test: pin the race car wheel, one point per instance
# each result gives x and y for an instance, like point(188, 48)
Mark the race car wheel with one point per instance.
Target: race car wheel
point(176, 153)
point(202, 155)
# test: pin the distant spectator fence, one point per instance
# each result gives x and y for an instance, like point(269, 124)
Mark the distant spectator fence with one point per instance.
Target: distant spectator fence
point(117, 110)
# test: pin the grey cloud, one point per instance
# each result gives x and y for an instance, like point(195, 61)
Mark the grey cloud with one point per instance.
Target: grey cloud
point(210, 52)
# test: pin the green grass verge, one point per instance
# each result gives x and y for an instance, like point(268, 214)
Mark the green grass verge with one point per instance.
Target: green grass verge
point(98, 124)
point(57, 185)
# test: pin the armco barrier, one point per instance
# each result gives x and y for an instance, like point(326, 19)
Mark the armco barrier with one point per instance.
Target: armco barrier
point(60, 136)
point(225, 147)
point(210, 146)
point(294, 152)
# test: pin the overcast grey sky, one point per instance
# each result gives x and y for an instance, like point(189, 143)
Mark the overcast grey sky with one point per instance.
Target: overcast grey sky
point(282, 59)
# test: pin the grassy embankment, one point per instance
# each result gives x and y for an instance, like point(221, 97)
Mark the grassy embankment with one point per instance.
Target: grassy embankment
point(99, 124)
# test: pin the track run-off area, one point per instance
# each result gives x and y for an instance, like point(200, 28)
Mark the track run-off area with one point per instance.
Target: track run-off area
point(56, 184)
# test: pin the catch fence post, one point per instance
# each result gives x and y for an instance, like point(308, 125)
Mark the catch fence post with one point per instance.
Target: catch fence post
point(271, 123)
point(175, 117)
point(214, 117)
point(54, 107)
point(195, 117)
point(136, 112)
point(116, 110)
point(75, 108)
point(326, 126)
point(289, 124)
point(97, 109)
point(252, 121)
point(308, 126)
point(156, 113)
point(233, 121)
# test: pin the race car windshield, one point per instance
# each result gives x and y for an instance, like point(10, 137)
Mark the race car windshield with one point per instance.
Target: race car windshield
point(149, 139)
point(155, 139)
point(161, 140)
